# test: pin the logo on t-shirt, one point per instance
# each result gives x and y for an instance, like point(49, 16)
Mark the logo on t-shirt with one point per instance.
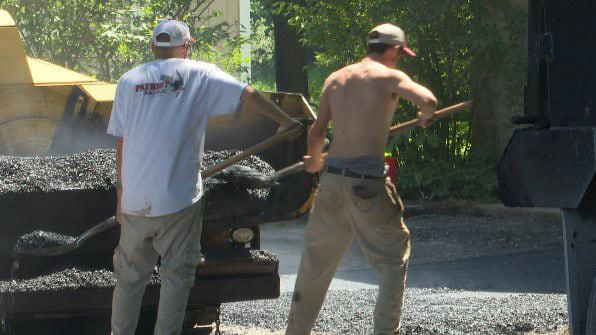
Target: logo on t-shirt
point(166, 84)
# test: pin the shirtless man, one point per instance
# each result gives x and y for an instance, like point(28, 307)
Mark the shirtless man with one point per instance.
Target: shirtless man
point(354, 198)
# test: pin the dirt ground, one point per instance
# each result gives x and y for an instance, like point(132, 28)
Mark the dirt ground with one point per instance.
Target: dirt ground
point(440, 233)
point(468, 234)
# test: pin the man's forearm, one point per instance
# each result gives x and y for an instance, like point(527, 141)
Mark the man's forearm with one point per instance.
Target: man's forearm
point(316, 144)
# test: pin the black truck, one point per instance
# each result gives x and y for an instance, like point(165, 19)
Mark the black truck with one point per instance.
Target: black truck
point(551, 160)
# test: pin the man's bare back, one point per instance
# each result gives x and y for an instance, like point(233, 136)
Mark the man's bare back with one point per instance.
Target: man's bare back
point(362, 99)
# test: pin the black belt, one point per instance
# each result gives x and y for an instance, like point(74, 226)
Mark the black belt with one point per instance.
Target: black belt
point(348, 173)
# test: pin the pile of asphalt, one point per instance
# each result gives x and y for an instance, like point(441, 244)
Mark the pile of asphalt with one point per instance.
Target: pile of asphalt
point(74, 278)
point(42, 239)
point(262, 257)
point(69, 279)
point(248, 175)
point(90, 170)
point(95, 170)
point(212, 157)
point(426, 311)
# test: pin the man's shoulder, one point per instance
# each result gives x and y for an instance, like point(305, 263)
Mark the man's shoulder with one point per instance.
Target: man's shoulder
point(199, 66)
point(131, 74)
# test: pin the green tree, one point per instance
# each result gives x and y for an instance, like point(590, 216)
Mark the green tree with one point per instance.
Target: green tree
point(108, 37)
point(458, 48)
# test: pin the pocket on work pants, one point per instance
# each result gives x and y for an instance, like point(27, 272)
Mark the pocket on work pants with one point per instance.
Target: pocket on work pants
point(329, 196)
point(377, 201)
point(124, 271)
point(193, 245)
point(392, 198)
point(366, 195)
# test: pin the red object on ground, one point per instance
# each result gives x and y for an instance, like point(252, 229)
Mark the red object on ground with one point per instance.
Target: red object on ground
point(392, 172)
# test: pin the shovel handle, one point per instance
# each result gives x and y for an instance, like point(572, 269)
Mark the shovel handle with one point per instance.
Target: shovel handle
point(273, 140)
point(299, 167)
point(106, 224)
point(437, 115)
point(294, 168)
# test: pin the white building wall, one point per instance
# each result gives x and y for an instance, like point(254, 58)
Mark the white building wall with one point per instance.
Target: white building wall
point(237, 14)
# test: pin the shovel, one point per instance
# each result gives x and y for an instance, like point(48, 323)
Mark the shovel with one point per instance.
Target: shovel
point(273, 140)
point(111, 222)
point(76, 244)
point(299, 167)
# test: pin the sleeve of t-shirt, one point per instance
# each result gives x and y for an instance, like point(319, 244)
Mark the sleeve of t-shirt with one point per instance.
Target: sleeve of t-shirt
point(116, 124)
point(224, 92)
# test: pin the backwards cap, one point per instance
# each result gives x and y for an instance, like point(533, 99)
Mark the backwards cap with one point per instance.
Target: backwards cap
point(178, 31)
point(390, 34)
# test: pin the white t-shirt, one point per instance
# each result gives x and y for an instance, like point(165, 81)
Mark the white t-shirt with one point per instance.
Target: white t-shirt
point(161, 110)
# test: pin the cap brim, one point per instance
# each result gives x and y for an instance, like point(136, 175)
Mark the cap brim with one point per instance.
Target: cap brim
point(409, 52)
point(192, 40)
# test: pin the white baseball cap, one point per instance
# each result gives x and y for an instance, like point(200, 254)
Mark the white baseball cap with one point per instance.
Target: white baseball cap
point(392, 35)
point(178, 31)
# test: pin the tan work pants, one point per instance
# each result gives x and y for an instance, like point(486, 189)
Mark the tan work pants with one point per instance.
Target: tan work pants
point(371, 211)
point(176, 238)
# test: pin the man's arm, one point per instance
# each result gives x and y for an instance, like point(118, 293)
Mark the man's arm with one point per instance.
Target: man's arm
point(418, 95)
point(313, 161)
point(253, 99)
point(119, 143)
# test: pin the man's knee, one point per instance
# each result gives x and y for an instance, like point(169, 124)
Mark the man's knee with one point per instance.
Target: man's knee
point(180, 272)
point(129, 270)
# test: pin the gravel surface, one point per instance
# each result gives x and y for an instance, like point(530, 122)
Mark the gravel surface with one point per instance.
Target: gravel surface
point(69, 279)
point(42, 239)
point(248, 175)
point(92, 169)
point(95, 169)
point(262, 256)
point(212, 157)
point(466, 236)
point(426, 311)
point(72, 279)
point(243, 176)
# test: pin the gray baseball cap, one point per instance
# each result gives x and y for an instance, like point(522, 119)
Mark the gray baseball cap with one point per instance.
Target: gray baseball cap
point(392, 35)
point(178, 31)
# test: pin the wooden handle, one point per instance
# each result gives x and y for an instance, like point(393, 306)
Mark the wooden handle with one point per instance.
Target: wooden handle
point(438, 115)
point(299, 167)
point(290, 170)
point(273, 140)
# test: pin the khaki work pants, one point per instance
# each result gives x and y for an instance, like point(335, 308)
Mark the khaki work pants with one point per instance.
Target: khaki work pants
point(371, 211)
point(176, 239)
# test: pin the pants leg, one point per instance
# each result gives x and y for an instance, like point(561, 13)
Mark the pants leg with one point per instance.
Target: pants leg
point(179, 244)
point(134, 260)
point(385, 242)
point(327, 237)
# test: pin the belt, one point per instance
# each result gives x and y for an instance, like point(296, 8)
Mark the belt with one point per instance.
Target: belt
point(348, 173)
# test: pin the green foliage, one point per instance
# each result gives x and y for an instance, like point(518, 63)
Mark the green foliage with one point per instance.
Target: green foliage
point(454, 42)
point(262, 42)
point(106, 38)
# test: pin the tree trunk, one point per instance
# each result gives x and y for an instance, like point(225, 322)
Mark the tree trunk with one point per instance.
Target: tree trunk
point(290, 58)
point(496, 97)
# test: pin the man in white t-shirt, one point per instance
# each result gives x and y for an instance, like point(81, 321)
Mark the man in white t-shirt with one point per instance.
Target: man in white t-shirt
point(160, 116)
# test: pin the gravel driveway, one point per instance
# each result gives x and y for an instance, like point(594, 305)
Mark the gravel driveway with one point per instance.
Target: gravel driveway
point(458, 282)
point(426, 311)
